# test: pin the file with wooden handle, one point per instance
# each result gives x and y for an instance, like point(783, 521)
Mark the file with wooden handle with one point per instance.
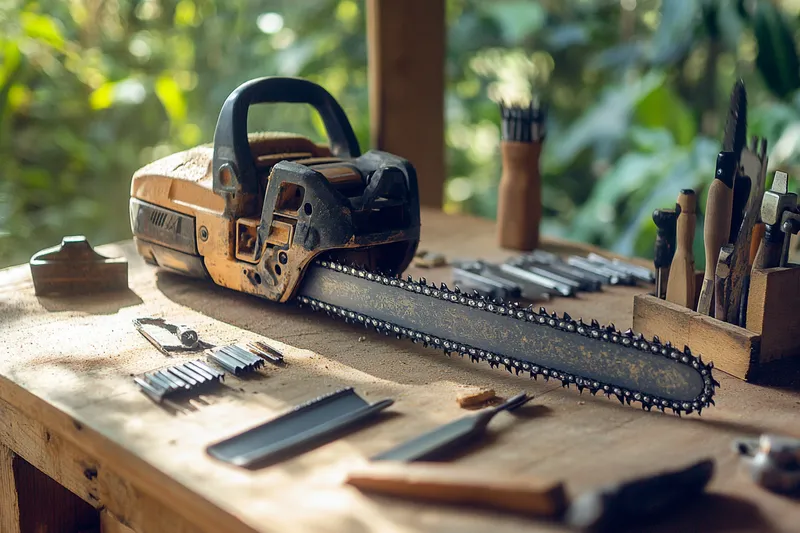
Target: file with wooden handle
point(681, 283)
point(451, 484)
point(719, 208)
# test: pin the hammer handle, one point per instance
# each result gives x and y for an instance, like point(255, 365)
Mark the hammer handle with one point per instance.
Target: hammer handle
point(458, 485)
point(770, 249)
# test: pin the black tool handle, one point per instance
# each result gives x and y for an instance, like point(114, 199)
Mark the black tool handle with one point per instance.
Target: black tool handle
point(234, 169)
point(665, 220)
point(615, 506)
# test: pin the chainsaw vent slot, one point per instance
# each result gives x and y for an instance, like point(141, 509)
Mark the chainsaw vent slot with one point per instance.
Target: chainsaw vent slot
point(290, 198)
point(158, 218)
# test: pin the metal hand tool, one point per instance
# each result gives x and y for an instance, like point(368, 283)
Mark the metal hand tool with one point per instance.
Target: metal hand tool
point(544, 281)
point(588, 278)
point(754, 164)
point(614, 277)
point(776, 201)
point(306, 426)
point(468, 280)
point(169, 338)
point(681, 284)
point(719, 205)
point(615, 507)
point(236, 359)
point(638, 272)
point(721, 282)
point(556, 264)
point(773, 461)
point(530, 290)
point(265, 351)
point(566, 280)
point(436, 443)
point(585, 283)
point(665, 220)
point(790, 226)
point(182, 379)
point(741, 195)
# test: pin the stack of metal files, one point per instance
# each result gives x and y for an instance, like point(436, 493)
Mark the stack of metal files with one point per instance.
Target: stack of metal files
point(539, 275)
point(236, 359)
point(191, 377)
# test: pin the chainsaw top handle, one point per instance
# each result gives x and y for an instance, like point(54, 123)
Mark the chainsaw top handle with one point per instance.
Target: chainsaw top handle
point(234, 170)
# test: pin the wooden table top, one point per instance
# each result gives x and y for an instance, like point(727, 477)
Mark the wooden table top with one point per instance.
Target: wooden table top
point(66, 367)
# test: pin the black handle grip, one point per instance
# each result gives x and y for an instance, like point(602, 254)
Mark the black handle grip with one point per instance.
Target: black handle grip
point(233, 165)
point(666, 220)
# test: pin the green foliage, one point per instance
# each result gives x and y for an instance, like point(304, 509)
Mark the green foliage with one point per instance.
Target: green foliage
point(90, 91)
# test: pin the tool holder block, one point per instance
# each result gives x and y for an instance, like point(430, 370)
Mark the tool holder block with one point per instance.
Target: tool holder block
point(746, 353)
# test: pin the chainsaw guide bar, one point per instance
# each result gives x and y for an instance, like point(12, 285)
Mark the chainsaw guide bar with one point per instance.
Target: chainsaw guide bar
point(523, 340)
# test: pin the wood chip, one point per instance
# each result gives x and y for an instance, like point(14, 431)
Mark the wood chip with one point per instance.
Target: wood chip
point(430, 260)
point(475, 399)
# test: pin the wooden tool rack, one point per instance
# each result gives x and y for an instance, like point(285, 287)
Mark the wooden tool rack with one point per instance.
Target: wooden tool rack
point(771, 335)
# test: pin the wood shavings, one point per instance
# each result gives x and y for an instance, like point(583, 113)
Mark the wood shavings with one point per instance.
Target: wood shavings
point(425, 259)
point(472, 400)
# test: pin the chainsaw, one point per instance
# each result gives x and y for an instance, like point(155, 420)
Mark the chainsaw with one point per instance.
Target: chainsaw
point(286, 219)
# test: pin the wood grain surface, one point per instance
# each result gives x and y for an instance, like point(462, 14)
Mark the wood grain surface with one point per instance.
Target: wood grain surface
point(69, 407)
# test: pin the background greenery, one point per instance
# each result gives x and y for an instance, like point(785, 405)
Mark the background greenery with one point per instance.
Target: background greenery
point(90, 90)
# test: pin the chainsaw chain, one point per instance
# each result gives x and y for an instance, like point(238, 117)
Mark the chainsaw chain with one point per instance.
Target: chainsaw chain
point(540, 318)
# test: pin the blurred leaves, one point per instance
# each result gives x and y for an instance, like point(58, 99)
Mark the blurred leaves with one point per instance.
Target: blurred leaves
point(777, 56)
point(91, 91)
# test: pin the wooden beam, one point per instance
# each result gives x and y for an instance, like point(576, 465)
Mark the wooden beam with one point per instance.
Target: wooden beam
point(9, 502)
point(406, 51)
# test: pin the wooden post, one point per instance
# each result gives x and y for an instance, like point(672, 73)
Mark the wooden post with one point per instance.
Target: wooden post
point(406, 50)
point(9, 502)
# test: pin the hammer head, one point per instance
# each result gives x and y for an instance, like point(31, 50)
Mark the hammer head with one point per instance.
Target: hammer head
point(777, 200)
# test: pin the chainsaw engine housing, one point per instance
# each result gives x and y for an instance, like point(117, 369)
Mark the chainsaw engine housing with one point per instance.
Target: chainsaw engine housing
point(253, 211)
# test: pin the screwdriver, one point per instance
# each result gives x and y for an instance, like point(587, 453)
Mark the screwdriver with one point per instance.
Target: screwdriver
point(665, 220)
point(681, 282)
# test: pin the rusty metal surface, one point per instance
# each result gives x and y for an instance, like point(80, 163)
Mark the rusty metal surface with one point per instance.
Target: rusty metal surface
point(589, 356)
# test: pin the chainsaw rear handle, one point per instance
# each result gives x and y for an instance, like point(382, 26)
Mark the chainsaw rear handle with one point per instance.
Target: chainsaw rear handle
point(234, 170)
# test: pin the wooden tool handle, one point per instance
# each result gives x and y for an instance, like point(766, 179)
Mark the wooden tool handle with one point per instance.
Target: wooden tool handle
point(758, 234)
point(771, 248)
point(681, 284)
point(717, 223)
point(457, 485)
point(519, 202)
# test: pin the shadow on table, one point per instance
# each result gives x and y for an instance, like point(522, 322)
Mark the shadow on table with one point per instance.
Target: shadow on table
point(715, 512)
point(104, 303)
point(783, 374)
point(330, 337)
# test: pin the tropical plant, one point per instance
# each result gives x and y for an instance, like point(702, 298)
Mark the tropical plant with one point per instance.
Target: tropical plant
point(90, 90)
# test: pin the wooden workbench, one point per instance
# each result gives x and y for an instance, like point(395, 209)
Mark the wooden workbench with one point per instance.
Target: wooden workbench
point(68, 407)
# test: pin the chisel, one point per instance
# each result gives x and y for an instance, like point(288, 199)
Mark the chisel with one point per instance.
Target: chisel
point(681, 286)
point(719, 215)
point(719, 209)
